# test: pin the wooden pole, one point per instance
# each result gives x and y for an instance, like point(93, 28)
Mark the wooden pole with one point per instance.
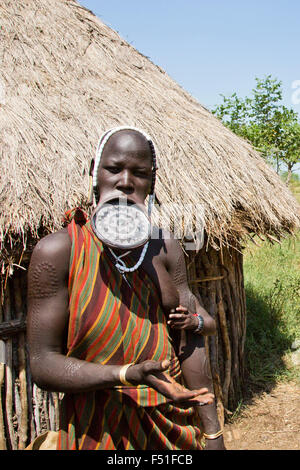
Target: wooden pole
point(30, 400)
point(45, 400)
point(2, 371)
point(23, 429)
point(9, 373)
point(36, 409)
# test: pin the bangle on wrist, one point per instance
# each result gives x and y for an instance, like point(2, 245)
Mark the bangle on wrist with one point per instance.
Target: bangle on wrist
point(122, 375)
point(213, 436)
point(200, 326)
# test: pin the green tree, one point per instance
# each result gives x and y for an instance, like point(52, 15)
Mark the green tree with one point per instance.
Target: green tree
point(272, 128)
point(290, 137)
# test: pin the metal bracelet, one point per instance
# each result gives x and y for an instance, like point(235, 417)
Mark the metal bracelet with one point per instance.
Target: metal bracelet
point(200, 326)
point(123, 373)
point(213, 436)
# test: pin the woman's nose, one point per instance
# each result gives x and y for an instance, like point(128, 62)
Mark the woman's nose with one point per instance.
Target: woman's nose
point(125, 181)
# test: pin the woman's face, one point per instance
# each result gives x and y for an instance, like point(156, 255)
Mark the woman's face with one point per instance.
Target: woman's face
point(125, 168)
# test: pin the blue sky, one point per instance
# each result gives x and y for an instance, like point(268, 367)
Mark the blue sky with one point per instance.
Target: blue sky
point(213, 47)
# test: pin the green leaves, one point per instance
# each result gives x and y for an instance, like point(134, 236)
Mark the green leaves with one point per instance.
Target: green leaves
point(271, 128)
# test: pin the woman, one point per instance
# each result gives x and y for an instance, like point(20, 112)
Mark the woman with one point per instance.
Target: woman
point(101, 336)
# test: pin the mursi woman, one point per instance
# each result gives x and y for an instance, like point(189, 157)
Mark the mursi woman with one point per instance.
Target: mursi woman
point(120, 334)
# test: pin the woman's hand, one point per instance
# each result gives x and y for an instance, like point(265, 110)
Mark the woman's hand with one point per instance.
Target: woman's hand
point(152, 373)
point(181, 319)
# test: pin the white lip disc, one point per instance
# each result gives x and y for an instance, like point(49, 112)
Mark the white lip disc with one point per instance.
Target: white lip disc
point(121, 225)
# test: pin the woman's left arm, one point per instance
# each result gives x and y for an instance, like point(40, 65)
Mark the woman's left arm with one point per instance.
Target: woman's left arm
point(192, 354)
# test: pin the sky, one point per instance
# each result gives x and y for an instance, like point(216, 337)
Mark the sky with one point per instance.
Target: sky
point(213, 47)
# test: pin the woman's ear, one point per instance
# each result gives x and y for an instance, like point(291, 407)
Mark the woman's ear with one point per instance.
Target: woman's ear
point(91, 189)
point(92, 164)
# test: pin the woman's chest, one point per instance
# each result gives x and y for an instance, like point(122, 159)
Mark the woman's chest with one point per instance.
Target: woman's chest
point(158, 273)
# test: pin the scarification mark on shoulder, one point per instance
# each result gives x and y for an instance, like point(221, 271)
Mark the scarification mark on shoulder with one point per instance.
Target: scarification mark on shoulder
point(43, 280)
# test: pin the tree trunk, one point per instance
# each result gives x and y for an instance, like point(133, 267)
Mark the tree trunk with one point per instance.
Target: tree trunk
point(289, 174)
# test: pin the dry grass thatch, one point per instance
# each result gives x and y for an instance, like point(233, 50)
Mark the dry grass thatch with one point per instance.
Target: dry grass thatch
point(65, 77)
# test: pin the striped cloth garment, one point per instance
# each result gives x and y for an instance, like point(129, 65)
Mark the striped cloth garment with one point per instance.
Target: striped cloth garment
point(111, 323)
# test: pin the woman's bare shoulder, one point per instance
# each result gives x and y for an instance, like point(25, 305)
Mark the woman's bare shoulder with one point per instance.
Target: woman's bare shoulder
point(166, 245)
point(54, 249)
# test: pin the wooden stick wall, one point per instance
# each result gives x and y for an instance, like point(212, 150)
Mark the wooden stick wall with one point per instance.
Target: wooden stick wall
point(25, 410)
point(215, 277)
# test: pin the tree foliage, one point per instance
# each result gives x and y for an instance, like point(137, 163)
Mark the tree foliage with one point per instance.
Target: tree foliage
point(264, 121)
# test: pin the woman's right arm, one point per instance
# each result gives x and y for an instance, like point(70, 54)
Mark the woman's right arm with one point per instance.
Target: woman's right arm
point(48, 322)
point(48, 315)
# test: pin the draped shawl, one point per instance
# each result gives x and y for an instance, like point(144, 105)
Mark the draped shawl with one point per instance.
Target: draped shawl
point(117, 321)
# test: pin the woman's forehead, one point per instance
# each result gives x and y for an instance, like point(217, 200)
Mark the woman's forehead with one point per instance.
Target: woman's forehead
point(126, 144)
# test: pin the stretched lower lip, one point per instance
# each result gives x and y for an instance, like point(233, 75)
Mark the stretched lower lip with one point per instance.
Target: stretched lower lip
point(121, 197)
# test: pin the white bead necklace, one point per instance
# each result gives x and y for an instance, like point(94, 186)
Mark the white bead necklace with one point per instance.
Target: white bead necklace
point(120, 264)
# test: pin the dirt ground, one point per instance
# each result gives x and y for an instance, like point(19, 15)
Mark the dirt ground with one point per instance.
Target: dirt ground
point(270, 422)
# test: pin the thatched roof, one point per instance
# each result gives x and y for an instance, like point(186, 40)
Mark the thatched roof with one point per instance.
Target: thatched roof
point(66, 77)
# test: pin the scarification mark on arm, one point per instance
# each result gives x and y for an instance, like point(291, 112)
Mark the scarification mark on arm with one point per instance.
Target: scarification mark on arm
point(71, 369)
point(187, 298)
point(34, 330)
point(42, 284)
point(43, 280)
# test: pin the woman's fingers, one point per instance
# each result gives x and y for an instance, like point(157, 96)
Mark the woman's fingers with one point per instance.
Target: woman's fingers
point(177, 316)
point(206, 398)
point(153, 373)
point(182, 321)
point(177, 319)
point(138, 373)
point(201, 395)
point(178, 393)
point(193, 397)
point(181, 309)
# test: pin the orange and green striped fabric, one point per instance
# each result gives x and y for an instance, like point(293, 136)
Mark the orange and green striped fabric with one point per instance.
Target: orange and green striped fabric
point(111, 323)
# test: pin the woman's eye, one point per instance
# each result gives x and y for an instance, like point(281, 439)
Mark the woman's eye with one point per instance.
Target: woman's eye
point(142, 174)
point(113, 169)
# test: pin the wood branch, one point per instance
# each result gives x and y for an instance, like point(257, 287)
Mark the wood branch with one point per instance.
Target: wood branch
point(12, 327)
point(45, 401)
point(36, 409)
point(271, 238)
point(30, 402)
point(56, 410)
point(206, 279)
point(52, 412)
point(2, 428)
point(23, 427)
point(255, 242)
point(16, 407)
point(9, 374)
point(2, 373)
point(226, 351)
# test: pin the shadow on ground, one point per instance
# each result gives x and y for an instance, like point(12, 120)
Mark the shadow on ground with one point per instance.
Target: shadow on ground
point(267, 342)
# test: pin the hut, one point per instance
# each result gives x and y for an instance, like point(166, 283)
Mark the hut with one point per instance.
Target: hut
point(65, 77)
